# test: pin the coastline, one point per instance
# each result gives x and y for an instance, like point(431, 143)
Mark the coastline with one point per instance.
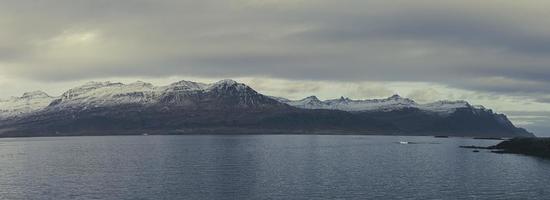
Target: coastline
point(239, 131)
point(539, 147)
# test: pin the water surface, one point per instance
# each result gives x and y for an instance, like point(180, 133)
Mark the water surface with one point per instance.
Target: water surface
point(264, 167)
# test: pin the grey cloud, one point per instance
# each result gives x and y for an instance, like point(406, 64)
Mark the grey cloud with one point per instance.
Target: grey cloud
point(289, 88)
point(537, 121)
point(505, 85)
point(544, 99)
point(461, 44)
point(442, 27)
point(424, 95)
point(530, 113)
point(541, 130)
point(374, 90)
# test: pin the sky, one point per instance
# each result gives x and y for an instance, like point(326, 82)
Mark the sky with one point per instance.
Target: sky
point(494, 52)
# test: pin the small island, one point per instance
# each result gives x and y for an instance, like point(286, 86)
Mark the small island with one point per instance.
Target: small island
point(539, 147)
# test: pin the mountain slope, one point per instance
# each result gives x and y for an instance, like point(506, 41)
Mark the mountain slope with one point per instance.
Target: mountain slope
point(230, 107)
point(28, 103)
point(392, 103)
point(457, 118)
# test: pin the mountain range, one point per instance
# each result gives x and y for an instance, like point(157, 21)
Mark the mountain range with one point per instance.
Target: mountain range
point(229, 107)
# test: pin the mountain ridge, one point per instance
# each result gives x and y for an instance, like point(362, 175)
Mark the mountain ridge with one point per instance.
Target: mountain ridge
point(229, 105)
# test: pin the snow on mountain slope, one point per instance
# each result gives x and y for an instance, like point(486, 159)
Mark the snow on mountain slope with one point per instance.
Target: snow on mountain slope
point(346, 104)
point(394, 102)
point(445, 107)
point(106, 93)
point(228, 93)
point(311, 102)
point(186, 86)
point(187, 93)
point(101, 94)
point(29, 102)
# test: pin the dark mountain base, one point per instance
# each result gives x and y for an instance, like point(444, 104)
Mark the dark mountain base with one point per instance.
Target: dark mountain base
point(137, 120)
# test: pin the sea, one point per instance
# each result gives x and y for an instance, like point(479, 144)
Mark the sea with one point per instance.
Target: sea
point(265, 167)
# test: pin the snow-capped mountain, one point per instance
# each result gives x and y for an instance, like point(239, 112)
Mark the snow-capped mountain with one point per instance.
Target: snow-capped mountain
point(105, 94)
point(392, 103)
point(28, 103)
point(346, 104)
point(231, 107)
point(108, 94)
point(100, 94)
point(224, 94)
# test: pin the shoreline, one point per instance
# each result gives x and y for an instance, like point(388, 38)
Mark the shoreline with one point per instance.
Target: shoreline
point(539, 147)
point(229, 133)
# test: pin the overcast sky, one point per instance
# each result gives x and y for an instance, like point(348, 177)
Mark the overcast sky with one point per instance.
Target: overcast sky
point(493, 52)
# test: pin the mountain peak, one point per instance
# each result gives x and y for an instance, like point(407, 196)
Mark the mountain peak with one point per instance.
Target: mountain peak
point(312, 98)
point(228, 83)
point(35, 94)
point(344, 99)
point(187, 85)
point(398, 98)
point(395, 97)
point(183, 82)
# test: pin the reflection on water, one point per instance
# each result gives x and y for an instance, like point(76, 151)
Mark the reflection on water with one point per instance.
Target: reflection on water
point(264, 167)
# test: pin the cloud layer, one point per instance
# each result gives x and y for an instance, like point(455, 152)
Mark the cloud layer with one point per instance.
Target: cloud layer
point(499, 48)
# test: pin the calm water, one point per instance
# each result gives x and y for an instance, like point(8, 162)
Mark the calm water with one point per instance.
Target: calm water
point(264, 167)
